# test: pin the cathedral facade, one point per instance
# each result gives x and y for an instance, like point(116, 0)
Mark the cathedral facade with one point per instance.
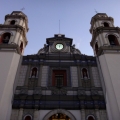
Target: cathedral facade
point(59, 82)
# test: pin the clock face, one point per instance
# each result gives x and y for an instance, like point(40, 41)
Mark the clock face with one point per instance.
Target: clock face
point(59, 46)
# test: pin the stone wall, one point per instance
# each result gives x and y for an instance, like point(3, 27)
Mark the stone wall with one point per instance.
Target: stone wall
point(22, 75)
point(96, 77)
point(14, 115)
point(74, 76)
point(44, 78)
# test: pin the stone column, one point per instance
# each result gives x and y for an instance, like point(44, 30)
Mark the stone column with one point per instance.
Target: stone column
point(36, 114)
point(40, 75)
point(82, 114)
point(97, 114)
point(79, 76)
point(27, 75)
point(20, 114)
point(91, 76)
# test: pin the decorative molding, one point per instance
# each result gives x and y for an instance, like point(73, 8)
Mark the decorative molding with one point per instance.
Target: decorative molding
point(69, 114)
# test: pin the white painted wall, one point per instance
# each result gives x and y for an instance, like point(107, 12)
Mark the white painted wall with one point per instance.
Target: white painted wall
point(110, 65)
point(14, 115)
point(8, 66)
point(76, 113)
point(42, 114)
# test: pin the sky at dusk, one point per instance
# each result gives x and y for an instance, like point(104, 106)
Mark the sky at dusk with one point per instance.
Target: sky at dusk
point(74, 15)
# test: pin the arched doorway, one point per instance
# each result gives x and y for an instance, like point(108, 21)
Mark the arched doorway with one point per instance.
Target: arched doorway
point(90, 117)
point(59, 114)
point(27, 117)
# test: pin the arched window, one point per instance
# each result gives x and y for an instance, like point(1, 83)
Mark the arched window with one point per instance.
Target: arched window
point(12, 22)
point(96, 47)
point(28, 118)
point(21, 47)
point(113, 40)
point(5, 38)
point(34, 72)
point(106, 24)
point(91, 118)
point(85, 73)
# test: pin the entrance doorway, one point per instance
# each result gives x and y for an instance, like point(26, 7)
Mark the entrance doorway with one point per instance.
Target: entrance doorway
point(59, 116)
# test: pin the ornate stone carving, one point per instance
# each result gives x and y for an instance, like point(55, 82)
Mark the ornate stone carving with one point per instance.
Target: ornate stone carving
point(74, 50)
point(32, 82)
point(28, 112)
point(94, 92)
point(61, 91)
point(24, 91)
point(37, 91)
point(81, 92)
point(43, 50)
point(86, 83)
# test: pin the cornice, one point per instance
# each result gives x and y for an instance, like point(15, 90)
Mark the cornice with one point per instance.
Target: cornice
point(99, 18)
point(94, 19)
point(15, 16)
point(19, 17)
point(17, 27)
point(102, 49)
point(101, 29)
point(10, 47)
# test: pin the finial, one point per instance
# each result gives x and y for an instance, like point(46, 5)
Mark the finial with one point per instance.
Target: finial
point(22, 9)
point(96, 11)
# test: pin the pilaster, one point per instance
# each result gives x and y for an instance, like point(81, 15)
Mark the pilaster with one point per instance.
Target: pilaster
point(91, 76)
point(40, 75)
point(36, 114)
point(20, 114)
point(79, 76)
point(82, 114)
point(97, 114)
point(27, 75)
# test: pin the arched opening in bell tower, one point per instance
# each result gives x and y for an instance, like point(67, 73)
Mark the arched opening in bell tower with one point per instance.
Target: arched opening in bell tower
point(21, 47)
point(106, 24)
point(12, 22)
point(96, 47)
point(113, 40)
point(5, 38)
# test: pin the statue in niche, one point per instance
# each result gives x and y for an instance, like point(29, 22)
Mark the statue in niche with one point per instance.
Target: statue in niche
point(33, 74)
point(6, 39)
point(85, 75)
point(112, 42)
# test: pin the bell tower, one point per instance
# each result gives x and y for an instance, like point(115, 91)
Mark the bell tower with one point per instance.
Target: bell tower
point(106, 46)
point(12, 44)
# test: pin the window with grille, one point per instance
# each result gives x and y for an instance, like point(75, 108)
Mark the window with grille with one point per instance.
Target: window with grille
point(59, 80)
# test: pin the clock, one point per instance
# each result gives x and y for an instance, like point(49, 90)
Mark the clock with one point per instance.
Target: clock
point(59, 46)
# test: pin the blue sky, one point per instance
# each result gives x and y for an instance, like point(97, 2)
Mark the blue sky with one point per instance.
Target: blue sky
point(74, 16)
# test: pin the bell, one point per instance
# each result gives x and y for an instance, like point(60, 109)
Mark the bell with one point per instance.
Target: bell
point(112, 42)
